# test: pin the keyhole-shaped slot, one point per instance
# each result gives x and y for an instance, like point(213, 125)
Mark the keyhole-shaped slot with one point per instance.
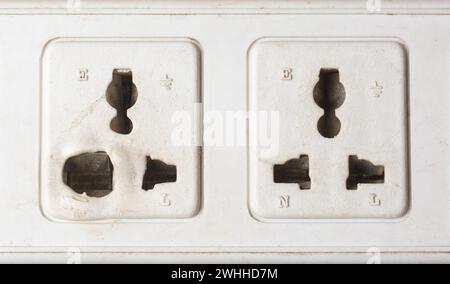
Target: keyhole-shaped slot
point(122, 95)
point(329, 94)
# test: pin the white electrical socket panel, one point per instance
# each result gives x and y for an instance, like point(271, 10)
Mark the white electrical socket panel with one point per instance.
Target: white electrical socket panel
point(225, 64)
point(372, 73)
point(77, 119)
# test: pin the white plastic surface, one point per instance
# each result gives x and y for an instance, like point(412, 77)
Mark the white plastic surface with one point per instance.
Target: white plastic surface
point(373, 121)
point(76, 120)
point(226, 32)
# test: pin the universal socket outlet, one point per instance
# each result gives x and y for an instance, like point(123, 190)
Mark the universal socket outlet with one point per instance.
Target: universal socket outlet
point(117, 99)
point(366, 117)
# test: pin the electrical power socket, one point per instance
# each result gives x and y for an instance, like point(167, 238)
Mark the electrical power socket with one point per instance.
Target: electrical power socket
point(343, 128)
point(107, 150)
point(58, 120)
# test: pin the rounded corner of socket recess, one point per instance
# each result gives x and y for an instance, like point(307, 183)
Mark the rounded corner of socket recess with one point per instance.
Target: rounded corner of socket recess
point(345, 159)
point(110, 154)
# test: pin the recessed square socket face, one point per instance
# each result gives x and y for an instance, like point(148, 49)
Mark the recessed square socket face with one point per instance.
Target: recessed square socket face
point(120, 129)
point(329, 129)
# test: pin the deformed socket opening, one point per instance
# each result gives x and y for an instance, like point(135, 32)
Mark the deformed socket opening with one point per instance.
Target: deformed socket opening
point(294, 171)
point(89, 173)
point(363, 171)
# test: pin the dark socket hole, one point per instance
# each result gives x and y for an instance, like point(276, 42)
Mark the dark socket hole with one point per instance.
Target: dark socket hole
point(294, 171)
point(329, 94)
point(122, 95)
point(158, 172)
point(90, 173)
point(363, 171)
